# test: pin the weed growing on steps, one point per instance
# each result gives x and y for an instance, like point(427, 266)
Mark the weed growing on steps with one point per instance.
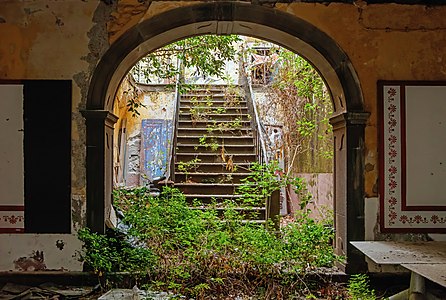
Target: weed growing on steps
point(189, 166)
point(263, 180)
point(204, 255)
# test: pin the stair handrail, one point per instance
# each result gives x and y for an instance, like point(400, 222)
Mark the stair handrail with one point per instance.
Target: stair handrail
point(258, 123)
point(272, 202)
point(176, 109)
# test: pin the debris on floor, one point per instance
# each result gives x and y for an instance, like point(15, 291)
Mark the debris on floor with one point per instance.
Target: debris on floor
point(11, 291)
point(137, 294)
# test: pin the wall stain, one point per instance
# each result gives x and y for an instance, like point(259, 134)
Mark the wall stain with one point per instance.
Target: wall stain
point(98, 45)
point(35, 262)
point(369, 167)
point(60, 244)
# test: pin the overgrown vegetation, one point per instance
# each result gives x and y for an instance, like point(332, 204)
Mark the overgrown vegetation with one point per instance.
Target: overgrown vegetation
point(298, 98)
point(203, 254)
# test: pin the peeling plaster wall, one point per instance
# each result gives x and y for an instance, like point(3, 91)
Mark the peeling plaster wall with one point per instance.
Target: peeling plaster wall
point(39, 252)
point(53, 40)
point(158, 103)
point(49, 39)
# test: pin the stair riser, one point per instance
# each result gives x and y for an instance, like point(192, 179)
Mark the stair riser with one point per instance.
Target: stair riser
point(202, 97)
point(212, 189)
point(221, 168)
point(216, 110)
point(215, 158)
point(216, 117)
point(216, 102)
point(247, 214)
point(215, 132)
point(229, 178)
point(230, 140)
point(213, 199)
point(189, 124)
point(228, 149)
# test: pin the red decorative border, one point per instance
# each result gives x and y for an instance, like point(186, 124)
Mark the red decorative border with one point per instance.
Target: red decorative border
point(404, 206)
point(394, 215)
point(13, 218)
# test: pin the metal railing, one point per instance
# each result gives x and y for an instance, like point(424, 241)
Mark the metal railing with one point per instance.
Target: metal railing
point(173, 144)
point(257, 126)
point(272, 203)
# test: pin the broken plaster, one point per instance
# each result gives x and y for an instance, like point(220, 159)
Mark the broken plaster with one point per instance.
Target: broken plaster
point(34, 262)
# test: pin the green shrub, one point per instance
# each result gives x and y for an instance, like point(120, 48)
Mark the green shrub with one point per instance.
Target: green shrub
point(199, 253)
point(104, 253)
point(359, 288)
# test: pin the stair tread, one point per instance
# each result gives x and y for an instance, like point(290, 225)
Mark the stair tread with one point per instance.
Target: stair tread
point(216, 136)
point(223, 114)
point(205, 106)
point(213, 154)
point(208, 184)
point(226, 145)
point(211, 173)
point(210, 121)
point(223, 208)
point(219, 163)
point(212, 196)
point(182, 100)
point(217, 129)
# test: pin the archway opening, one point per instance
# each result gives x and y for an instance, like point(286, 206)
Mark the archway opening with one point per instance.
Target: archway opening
point(225, 87)
point(245, 19)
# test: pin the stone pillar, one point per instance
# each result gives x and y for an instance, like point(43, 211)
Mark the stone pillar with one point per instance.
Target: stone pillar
point(100, 125)
point(348, 132)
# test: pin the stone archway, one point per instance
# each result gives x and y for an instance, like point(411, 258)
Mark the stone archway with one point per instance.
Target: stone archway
point(244, 19)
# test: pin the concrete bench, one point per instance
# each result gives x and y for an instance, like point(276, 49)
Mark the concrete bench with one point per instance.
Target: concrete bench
point(425, 260)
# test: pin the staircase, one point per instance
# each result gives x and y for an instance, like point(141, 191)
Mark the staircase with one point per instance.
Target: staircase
point(215, 145)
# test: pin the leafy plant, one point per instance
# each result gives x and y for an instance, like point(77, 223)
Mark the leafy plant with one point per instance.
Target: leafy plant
point(263, 180)
point(219, 110)
point(206, 54)
point(213, 144)
point(111, 253)
point(359, 288)
point(187, 167)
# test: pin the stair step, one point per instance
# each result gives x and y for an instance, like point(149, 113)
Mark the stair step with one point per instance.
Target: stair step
point(215, 128)
point(215, 101)
point(208, 198)
point(212, 174)
point(216, 117)
point(223, 132)
point(220, 167)
point(189, 124)
point(203, 95)
point(248, 213)
point(216, 157)
point(210, 177)
point(207, 188)
point(220, 140)
point(212, 199)
point(215, 110)
point(229, 149)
